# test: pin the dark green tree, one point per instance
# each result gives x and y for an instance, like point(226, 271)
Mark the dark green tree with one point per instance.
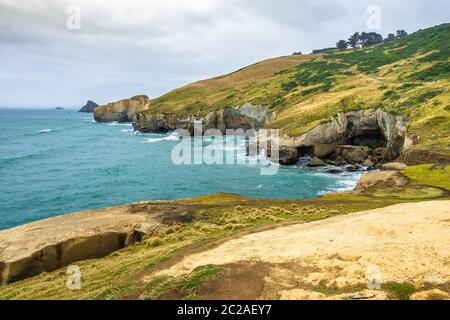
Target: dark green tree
point(370, 39)
point(354, 40)
point(401, 33)
point(342, 45)
point(390, 37)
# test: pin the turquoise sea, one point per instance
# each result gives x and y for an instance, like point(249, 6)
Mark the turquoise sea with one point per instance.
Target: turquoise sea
point(58, 161)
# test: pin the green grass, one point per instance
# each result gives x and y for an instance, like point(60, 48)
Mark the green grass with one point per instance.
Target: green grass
point(186, 286)
point(440, 70)
point(192, 283)
point(400, 291)
point(430, 174)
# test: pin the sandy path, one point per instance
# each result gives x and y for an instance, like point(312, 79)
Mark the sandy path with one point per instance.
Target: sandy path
point(406, 242)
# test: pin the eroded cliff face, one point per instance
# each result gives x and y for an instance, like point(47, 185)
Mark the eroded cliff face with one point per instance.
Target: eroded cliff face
point(50, 244)
point(245, 117)
point(121, 111)
point(365, 137)
point(353, 137)
point(372, 128)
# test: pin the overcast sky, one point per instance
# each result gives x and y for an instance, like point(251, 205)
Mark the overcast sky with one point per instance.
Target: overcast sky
point(130, 47)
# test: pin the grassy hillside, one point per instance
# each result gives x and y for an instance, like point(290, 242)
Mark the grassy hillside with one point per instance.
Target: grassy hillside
point(203, 96)
point(408, 76)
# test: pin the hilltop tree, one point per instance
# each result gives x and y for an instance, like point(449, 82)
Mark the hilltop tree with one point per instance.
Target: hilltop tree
point(342, 45)
point(401, 33)
point(369, 39)
point(353, 41)
point(390, 37)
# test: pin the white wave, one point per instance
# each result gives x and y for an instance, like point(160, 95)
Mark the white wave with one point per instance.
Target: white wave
point(115, 123)
point(348, 181)
point(127, 130)
point(45, 131)
point(172, 137)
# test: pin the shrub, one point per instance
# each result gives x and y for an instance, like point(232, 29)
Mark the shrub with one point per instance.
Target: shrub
point(155, 242)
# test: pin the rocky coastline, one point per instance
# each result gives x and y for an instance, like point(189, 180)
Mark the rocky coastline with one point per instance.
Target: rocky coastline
point(366, 138)
point(47, 245)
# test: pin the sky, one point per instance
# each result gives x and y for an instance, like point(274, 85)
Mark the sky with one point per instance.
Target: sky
point(64, 52)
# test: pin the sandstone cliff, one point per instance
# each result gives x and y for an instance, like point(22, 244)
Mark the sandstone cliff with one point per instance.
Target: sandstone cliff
point(244, 117)
point(121, 111)
point(352, 137)
point(46, 245)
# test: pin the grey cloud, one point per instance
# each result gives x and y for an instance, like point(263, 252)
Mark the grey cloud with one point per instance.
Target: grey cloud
point(149, 47)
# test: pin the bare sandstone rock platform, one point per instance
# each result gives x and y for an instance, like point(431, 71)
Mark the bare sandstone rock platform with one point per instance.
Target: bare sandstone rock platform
point(406, 243)
point(50, 244)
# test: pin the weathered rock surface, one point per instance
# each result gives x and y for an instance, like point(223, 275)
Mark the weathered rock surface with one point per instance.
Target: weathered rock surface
point(394, 166)
point(434, 294)
point(121, 111)
point(326, 151)
point(245, 117)
point(351, 137)
point(89, 107)
point(371, 179)
point(354, 137)
point(406, 242)
point(316, 162)
point(369, 164)
point(371, 128)
point(288, 155)
point(47, 245)
point(354, 154)
point(147, 122)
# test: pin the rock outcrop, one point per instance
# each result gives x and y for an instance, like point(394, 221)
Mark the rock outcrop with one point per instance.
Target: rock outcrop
point(375, 129)
point(245, 117)
point(50, 244)
point(394, 166)
point(371, 179)
point(316, 162)
point(406, 242)
point(353, 137)
point(434, 294)
point(89, 107)
point(121, 111)
point(288, 155)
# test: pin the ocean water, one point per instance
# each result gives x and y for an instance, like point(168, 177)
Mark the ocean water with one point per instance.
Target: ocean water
point(58, 161)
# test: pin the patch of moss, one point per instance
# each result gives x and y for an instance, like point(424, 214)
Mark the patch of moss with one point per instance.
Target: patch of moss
point(440, 70)
point(400, 291)
point(430, 174)
point(187, 286)
point(410, 192)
